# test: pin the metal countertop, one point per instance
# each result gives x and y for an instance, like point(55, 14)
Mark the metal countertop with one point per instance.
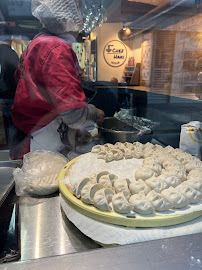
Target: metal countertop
point(45, 230)
point(48, 236)
point(181, 253)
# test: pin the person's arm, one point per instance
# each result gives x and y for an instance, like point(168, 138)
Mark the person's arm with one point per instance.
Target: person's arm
point(78, 118)
point(62, 82)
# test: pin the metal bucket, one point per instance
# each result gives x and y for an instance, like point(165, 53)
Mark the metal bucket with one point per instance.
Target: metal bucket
point(114, 130)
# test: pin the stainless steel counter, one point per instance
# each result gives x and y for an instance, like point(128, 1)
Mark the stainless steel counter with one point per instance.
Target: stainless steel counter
point(181, 253)
point(45, 230)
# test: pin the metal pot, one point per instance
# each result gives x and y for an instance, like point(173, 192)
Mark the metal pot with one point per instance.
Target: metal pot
point(114, 130)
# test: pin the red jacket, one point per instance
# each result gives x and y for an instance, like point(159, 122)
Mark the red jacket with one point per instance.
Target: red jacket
point(48, 83)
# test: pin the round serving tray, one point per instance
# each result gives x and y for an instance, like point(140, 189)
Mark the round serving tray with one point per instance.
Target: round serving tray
point(115, 218)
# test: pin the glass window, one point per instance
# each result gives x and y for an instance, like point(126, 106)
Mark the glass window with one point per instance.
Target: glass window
point(79, 73)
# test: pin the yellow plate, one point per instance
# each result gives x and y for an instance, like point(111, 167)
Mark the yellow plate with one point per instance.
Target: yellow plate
point(115, 218)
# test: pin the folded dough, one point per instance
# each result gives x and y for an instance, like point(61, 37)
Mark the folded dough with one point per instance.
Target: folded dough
point(195, 183)
point(121, 185)
point(121, 204)
point(175, 198)
point(77, 188)
point(102, 154)
point(156, 184)
point(190, 193)
point(97, 148)
point(88, 192)
point(195, 173)
point(109, 156)
point(144, 173)
point(148, 145)
point(119, 145)
point(154, 167)
point(137, 152)
point(139, 187)
point(180, 173)
point(102, 198)
point(170, 180)
point(193, 165)
point(147, 152)
point(129, 145)
point(128, 153)
point(159, 202)
point(138, 144)
point(141, 204)
point(151, 160)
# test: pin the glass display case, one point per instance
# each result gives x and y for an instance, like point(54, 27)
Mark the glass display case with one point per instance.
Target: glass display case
point(109, 71)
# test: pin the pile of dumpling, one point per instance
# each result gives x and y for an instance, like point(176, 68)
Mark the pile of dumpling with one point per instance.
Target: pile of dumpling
point(168, 179)
point(118, 151)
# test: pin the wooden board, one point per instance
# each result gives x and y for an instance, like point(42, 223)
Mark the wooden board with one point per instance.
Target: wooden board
point(115, 218)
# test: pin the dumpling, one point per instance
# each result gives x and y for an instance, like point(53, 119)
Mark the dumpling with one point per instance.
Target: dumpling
point(102, 199)
point(158, 147)
point(128, 153)
point(156, 184)
point(138, 144)
point(147, 152)
point(195, 183)
point(191, 194)
point(141, 204)
point(195, 173)
point(159, 203)
point(109, 156)
point(139, 186)
point(170, 180)
point(119, 145)
point(190, 159)
point(171, 162)
point(193, 165)
point(148, 145)
point(168, 149)
point(154, 167)
point(137, 152)
point(144, 173)
point(160, 156)
point(183, 156)
point(174, 166)
point(175, 198)
point(121, 204)
point(106, 179)
point(100, 174)
point(108, 146)
point(121, 185)
point(118, 154)
point(102, 154)
point(151, 160)
point(88, 192)
point(97, 148)
point(176, 152)
point(180, 173)
point(129, 145)
point(77, 188)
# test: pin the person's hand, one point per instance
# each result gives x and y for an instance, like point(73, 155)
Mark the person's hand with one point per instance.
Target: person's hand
point(101, 115)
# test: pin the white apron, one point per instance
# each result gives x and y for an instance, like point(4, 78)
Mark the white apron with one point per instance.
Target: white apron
point(48, 138)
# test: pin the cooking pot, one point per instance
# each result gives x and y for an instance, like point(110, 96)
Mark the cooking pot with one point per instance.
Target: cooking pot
point(113, 130)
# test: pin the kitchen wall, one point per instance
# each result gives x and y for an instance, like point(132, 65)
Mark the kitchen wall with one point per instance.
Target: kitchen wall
point(108, 32)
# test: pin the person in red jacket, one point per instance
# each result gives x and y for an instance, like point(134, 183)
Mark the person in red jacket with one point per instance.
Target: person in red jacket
point(50, 104)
